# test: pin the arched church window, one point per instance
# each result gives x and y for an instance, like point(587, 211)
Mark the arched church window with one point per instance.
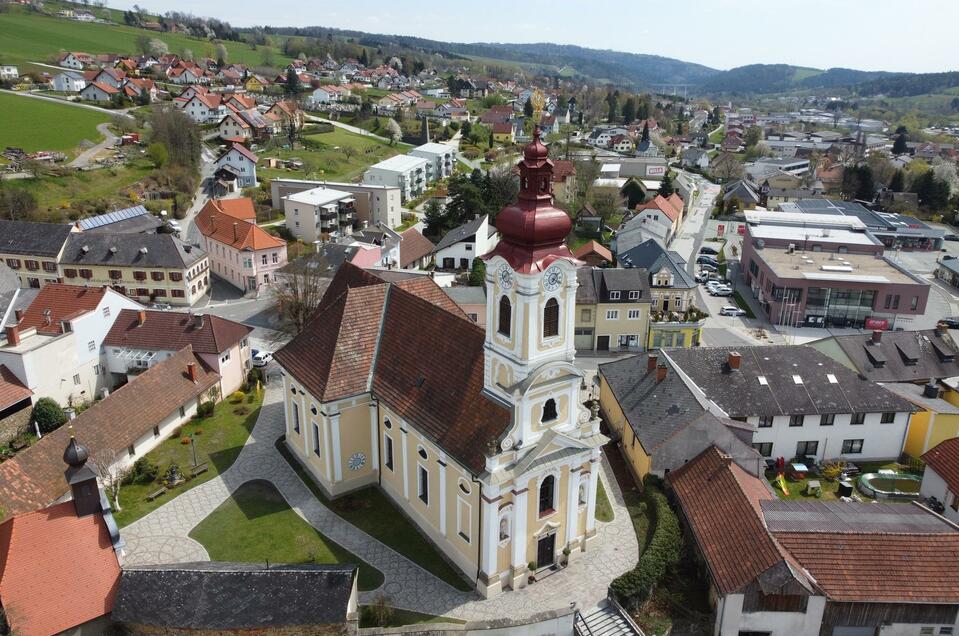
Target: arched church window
point(551, 318)
point(549, 410)
point(582, 494)
point(546, 490)
point(505, 316)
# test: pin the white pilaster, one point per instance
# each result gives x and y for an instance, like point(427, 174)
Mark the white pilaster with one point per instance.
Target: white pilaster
point(337, 462)
point(374, 438)
point(286, 407)
point(304, 425)
point(518, 537)
point(572, 507)
point(403, 465)
point(442, 466)
point(591, 498)
point(490, 530)
point(327, 446)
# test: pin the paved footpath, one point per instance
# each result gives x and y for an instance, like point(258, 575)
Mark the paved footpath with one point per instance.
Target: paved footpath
point(162, 537)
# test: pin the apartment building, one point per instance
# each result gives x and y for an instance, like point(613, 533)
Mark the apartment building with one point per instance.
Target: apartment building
point(441, 156)
point(32, 250)
point(374, 204)
point(411, 174)
point(319, 213)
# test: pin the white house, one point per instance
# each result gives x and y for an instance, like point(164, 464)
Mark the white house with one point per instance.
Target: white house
point(329, 94)
point(55, 346)
point(205, 108)
point(621, 143)
point(97, 92)
point(242, 162)
point(800, 402)
point(941, 479)
point(8, 72)
point(69, 82)
point(75, 60)
point(442, 156)
point(461, 245)
point(409, 173)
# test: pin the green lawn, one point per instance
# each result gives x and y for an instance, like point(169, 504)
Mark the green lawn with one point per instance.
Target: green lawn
point(403, 617)
point(604, 509)
point(257, 525)
point(370, 511)
point(219, 439)
point(28, 37)
point(339, 155)
point(39, 124)
point(797, 488)
point(718, 136)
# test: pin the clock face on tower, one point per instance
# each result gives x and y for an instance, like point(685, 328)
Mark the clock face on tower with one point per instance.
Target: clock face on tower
point(505, 277)
point(553, 278)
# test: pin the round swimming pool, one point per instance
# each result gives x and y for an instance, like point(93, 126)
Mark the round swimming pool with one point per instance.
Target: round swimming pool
point(890, 486)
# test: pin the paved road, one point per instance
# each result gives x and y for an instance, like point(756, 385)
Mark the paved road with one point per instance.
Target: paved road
point(87, 156)
point(163, 537)
point(122, 112)
point(352, 129)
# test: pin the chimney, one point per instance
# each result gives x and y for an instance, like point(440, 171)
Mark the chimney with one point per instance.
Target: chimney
point(234, 231)
point(733, 359)
point(13, 335)
point(141, 317)
point(19, 314)
point(930, 391)
point(660, 373)
point(877, 336)
point(651, 362)
point(198, 321)
point(191, 371)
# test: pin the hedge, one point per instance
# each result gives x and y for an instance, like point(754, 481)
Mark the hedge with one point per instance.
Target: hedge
point(660, 557)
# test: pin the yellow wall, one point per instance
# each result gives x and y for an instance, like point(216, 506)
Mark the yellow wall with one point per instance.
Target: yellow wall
point(622, 325)
point(633, 450)
point(24, 274)
point(194, 284)
point(927, 429)
point(692, 333)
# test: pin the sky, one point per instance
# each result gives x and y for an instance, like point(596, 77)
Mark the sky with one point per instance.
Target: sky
point(888, 35)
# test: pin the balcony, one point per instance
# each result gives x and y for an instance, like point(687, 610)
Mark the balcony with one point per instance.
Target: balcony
point(693, 315)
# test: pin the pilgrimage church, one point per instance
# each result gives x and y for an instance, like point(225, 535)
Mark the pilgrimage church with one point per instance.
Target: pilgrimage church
point(478, 436)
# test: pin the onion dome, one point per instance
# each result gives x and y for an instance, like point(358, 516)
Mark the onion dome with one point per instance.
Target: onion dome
point(76, 454)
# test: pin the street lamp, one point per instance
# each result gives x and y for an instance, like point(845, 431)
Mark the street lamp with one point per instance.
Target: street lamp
point(193, 447)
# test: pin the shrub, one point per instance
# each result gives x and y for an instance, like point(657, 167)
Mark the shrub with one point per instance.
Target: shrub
point(236, 397)
point(253, 376)
point(381, 611)
point(832, 470)
point(205, 409)
point(660, 557)
point(144, 471)
point(48, 415)
point(241, 410)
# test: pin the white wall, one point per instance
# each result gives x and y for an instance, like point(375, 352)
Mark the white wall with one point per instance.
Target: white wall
point(880, 441)
point(935, 486)
point(731, 619)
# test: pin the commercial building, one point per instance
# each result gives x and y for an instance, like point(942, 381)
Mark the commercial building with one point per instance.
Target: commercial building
point(374, 204)
point(409, 173)
point(319, 213)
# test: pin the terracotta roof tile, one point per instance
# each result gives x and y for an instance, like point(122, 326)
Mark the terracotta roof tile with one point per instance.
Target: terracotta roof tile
point(12, 390)
point(414, 246)
point(57, 570)
point(944, 459)
point(241, 209)
point(171, 331)
point(61, 301)
point(593, 247)
point(34, 477)
point(225, 223)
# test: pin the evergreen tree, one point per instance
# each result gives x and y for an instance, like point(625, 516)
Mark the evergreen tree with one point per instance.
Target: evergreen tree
point(645, 136)
point(612, 104)
point(478, 273)
point(629, 110)
point(666, 186)
point(434, 218)
point(528, 107)
point(364, 58)
point(899, 146)
point(933, 193)
point(633, 193)
point(292, 83)
point(898, 182)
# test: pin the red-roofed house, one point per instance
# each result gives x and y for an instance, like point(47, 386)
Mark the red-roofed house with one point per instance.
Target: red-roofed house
point(416, 251)
point(205, 108)
point(237, 164)
point(811, 567)
point(241, 252)
point(54, 349)
point(564, 180)
point(59, 571)
point(670, 208)
point(594, 254)
point(941, 479)
point(98, 92)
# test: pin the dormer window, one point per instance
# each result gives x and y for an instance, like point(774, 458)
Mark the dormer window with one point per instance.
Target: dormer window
point(634, 295)
point(614, 295)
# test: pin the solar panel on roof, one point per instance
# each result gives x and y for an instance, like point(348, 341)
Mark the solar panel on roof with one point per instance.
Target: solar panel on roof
point(112, 217)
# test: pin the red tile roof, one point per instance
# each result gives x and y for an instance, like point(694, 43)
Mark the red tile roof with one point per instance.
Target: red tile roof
point(61, 301)
point(671, 207)
point(502, 128)
point(414, 246)
point(593, 247)
point(172, 330)
point(57, 570)
point(944, 459)
point(232, 222)
point(369, 336)
point(12, 390)
point(34, 477)
point(106, 88)
point(563, 169)
point(243, 150)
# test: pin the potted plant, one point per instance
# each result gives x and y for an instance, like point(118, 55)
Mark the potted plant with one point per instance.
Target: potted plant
point(566, 552)
point(532, 572)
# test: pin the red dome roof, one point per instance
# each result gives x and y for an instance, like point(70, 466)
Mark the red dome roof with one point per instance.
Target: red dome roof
point(532, 228)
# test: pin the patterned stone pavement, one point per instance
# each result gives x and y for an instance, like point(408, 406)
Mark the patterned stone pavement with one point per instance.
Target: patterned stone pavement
point(162, 537)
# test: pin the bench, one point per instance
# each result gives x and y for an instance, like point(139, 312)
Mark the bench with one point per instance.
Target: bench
point(199, 469)
point(156, 493)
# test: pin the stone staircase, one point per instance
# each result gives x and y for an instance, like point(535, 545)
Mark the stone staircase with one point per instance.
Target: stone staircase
point(609, 620)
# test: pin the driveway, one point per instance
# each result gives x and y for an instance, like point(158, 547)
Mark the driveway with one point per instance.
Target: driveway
point(87, 156)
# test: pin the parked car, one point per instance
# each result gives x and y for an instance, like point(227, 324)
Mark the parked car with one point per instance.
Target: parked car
point(729, 310)
point(707, 260)
point(160, 306)
point(702, 276)
point(708, 250)
point(706, 267)
point(261, 358)
point(951, 237)
point(723, 291)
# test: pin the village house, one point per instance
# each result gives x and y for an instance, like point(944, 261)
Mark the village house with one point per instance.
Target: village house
point(54, 346)
point(141, 339)
point(612, 309)
point(459, 246)
point(494, 508)
point(236, 166)
point(416, 251)
point(32, 250)
point(76, 60)
point(69, 82)
point(240, 252)
point(97, 92)
point(941, 477)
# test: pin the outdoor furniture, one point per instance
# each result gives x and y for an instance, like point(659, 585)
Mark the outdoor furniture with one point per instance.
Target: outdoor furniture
point(156, 493)
point(199, 469)
point(844, 489)
point(798, 471)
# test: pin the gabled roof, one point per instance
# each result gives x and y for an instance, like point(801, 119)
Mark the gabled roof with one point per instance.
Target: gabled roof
point(796, 379)
point(106, 88)
point(57, 302)
point(461, 233)
point(240, 148)
point(944, 459)
point(34, 477)
point(368, 336)
point(171, 331)
point(220, 596)
point(593, 247)
point(653, 257)
point(673, 208)
point(225, 222)
point(32, 239)
point(241, 208)
point(12, 390)
point(905, 356)
point(414, 246)
point(129, 250)
point(57, 570)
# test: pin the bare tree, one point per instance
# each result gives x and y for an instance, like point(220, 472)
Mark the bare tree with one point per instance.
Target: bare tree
point(394, 131)
point(109, 467)
point(299, 289)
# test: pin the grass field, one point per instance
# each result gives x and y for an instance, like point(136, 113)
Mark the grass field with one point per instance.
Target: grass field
point(339, 155)
point(33, 38)
point(256, 525)
point(39, 124)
